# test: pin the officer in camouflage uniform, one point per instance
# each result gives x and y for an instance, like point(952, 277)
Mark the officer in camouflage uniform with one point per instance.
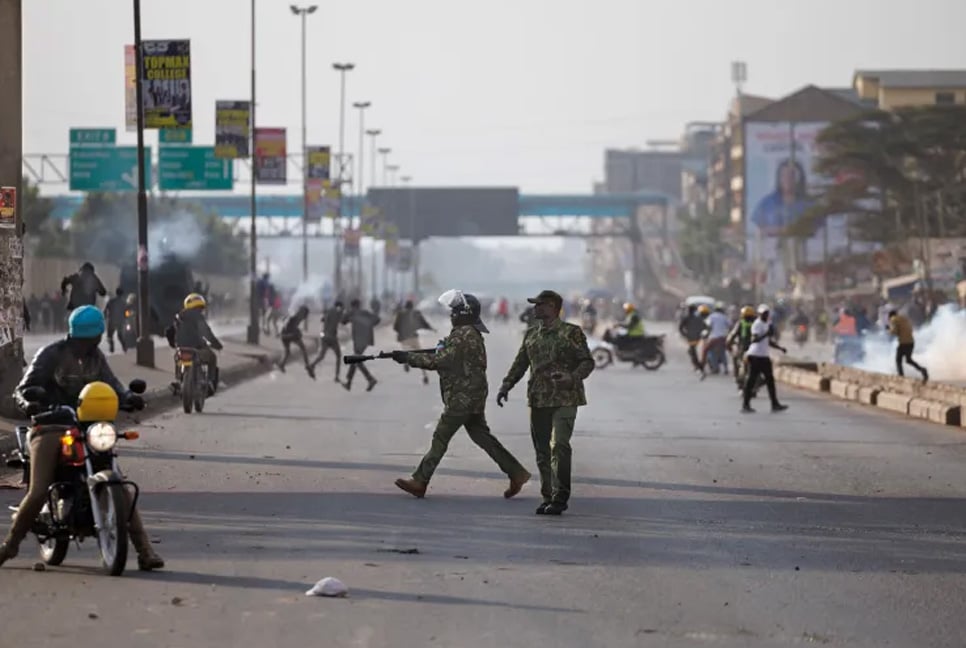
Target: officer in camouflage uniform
point(557, 356)
point(460, 360)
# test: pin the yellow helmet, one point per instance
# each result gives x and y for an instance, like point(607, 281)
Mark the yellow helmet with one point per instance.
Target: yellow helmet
point(629, 307)
point(194, 301)
point(98, 402)
point(748, 311)
point(704, 309)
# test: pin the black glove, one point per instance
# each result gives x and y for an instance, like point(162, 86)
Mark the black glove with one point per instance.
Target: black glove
point(402, 357)
point(502, 396)
point(134, 403)
point(33, 408)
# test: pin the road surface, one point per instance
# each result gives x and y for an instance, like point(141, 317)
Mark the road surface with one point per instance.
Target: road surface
point(35, 341)
point(690, 525)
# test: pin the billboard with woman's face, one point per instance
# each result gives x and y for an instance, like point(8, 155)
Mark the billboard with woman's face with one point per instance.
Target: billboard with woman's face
point(780, 186)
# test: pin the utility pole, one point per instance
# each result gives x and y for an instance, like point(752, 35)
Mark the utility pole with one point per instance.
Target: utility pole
point(254, 299)
point(145, 344)
point(11, 243)
point(374, 289)
point(342, 68)
point(360, 186)
point(303, 12)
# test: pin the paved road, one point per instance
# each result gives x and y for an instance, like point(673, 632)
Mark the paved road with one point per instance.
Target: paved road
point(33, 342)
point(691, 525)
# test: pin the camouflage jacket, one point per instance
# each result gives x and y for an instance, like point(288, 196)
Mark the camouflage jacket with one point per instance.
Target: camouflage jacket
point(461, 363)
point(559, 346)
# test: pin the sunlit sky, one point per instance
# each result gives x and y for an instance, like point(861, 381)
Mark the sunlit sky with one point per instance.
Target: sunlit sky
point(503, 92)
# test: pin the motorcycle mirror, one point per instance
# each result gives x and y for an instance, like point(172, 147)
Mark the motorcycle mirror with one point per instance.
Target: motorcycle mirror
point(35, 394)
point(138, 386)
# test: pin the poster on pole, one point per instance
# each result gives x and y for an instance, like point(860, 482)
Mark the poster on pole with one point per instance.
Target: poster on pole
point(314, 190)
point(270, 156)
point(8, 207)
point(130, 90)
point(166, 83)
point(317, 164)
point(232, 124)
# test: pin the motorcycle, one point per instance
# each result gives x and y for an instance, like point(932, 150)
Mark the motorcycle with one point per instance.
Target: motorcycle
point(88, 497)
point(129, 331)
point(602, 352)
point(646, 351)
point(194, 380)
point(801, 334)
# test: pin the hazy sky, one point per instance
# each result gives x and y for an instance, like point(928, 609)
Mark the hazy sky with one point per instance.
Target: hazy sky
point(509, 92)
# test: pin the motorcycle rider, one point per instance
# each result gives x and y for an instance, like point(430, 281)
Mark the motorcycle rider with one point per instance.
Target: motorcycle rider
point(114, 315)
point(798, 320)
point(718, 326)
point(63, 369)
point(632, 324)
point(190, 330)
point(692, 328)
point(741, 336)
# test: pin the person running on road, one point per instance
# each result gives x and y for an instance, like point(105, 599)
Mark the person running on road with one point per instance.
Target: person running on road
point(409, 322)
point(84, 286)
point(331, 320)
point(556, 354)
point(114, 316)
point(759, 360)
point(363, 336)
point(692, 329)
point(292, 334)
point(901, 327)
point(461, 362)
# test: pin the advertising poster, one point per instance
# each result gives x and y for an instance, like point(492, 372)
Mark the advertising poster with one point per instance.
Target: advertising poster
point(270, 156)
point(350, 242)
point(780, 186)
point(232, 124)
point(317, 165)
point(130, 90)
point(8, 207)
point(166, 83)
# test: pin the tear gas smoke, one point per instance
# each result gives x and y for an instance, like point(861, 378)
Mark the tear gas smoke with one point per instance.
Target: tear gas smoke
point(940, 347)
point(179, 234)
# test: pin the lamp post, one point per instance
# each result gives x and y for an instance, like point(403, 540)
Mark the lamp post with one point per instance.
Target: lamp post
point(303, 12)
point(253, 296)
point(342, 68)
point(392, 169)
point(145, 345)
point(373, 133)
point(360, 186)
point(414, 245)
point(384, 152)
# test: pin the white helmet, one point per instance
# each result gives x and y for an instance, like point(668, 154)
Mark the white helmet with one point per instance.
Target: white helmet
point(763, 308)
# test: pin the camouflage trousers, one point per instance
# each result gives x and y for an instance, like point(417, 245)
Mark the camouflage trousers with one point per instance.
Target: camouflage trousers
point(480, 434)
point(551, 429)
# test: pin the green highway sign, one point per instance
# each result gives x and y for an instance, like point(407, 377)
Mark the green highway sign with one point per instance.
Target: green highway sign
point(107, 168)
point(193, 168)
point(92, 137)
point(174, 136)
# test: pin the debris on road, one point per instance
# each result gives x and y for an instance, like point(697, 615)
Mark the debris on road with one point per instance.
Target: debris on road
point(39, 566)
point(329, 586)
point(408, 552)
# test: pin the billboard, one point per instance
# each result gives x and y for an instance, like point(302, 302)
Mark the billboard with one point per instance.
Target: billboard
point(270, 156)
point(473, 211)
point(317, 164)
point(780, 186)
point(166, 83)
point(232, 119)
point(130, 89)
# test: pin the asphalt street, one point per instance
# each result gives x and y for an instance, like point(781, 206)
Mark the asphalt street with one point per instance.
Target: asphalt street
point(690, 525)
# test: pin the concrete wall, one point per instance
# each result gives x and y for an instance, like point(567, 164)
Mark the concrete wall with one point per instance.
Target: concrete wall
point(892, 98)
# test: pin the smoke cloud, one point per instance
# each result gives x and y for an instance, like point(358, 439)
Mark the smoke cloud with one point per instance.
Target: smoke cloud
point(179, 234)
point(940, 347)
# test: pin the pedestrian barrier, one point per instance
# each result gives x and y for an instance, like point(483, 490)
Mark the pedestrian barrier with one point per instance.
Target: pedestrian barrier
point(935, 411)
point(894, 402)
point(868, 395)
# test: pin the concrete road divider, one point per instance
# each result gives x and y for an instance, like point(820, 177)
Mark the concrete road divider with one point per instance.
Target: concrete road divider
point(894, 402)
point(868, 395)
point(935, 411)
point(844, 389)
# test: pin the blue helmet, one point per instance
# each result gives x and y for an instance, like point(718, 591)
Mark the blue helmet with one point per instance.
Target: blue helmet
point(85, 322)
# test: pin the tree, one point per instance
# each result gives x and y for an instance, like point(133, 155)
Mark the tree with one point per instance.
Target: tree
point(701, 243)
point(44, 235)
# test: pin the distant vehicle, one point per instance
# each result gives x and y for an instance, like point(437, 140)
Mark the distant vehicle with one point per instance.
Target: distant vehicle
point(170, 282)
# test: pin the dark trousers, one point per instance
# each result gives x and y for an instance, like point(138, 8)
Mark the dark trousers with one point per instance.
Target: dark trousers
point(760, 367)
point(360, 366)
point(475, 424)
point(287, 343)
point(324, 345)
point(904, 352)
point(693, 354)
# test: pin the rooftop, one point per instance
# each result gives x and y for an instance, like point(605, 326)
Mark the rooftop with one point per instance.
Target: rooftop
point(915, 78)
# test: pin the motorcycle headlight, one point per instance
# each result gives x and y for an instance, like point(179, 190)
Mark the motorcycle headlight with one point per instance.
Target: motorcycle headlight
point(101, 437)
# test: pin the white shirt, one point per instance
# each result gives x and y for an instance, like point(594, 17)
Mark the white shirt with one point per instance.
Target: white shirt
point(719, 325)
point(759, 349)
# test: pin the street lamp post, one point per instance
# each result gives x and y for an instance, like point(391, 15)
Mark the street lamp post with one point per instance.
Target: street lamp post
point(145, 345)
point(373, 133)
point(360, 187)
point(342, 68)
point(391, 169)
point(253, 297)
point(384, 152)
point(303, 12)
point(414, 245)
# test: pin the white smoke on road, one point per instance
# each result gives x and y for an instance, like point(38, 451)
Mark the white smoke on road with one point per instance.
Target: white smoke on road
point(940, 347)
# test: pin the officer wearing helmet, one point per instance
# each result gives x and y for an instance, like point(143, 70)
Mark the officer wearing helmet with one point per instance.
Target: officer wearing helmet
point(190, 330)
point(460, 360)
point(63, 369)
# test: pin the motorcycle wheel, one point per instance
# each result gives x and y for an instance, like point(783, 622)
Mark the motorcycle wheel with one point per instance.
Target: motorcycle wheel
point(655, 361)
point(112, 535)
point(54, 551)
point(187, 390)
point(602, 358)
